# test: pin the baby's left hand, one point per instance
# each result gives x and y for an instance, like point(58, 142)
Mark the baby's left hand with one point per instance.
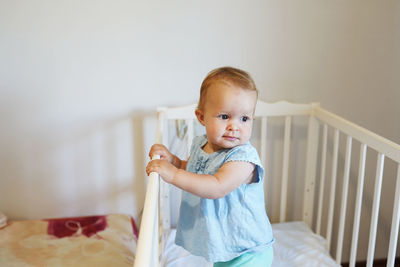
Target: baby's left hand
point(165, 169)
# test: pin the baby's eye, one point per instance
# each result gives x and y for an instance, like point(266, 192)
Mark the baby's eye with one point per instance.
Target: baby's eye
point(245, 118)
point(223, 116)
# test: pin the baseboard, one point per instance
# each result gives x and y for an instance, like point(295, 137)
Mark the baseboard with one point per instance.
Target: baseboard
point(377, 263)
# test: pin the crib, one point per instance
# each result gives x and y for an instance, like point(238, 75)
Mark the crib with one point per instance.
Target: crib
point(317, 172)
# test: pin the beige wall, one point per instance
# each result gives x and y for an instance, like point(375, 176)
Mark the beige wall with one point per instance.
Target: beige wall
point(79, 79)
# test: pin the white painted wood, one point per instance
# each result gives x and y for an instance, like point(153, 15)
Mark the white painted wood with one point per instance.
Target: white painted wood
point(383, 145)
point(263, 141)
point(282, 108)
point(147, 247)
point(190, 133)
point(322, 178)
point(358, 203)
point(333, 188)
point(394, 232)
point(345, 189)
point(375, 210)
point(263, 147)
point(165, 209)
point(179, 113)
point(162, 137)
point(285, 169)
point(311, 168)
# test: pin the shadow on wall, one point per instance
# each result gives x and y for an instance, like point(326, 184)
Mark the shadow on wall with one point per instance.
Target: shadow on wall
point(97, 169)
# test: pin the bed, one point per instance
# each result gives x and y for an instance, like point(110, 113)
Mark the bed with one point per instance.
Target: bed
point(108, 240)
point(314, 198)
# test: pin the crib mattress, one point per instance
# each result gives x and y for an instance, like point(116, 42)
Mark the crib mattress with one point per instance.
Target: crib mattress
point(83, 241)
point(295, 245)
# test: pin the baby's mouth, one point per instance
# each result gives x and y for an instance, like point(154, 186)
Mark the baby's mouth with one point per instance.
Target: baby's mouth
point(231, 138)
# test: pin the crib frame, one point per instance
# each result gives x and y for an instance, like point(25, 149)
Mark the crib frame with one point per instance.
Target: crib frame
point(156, 220)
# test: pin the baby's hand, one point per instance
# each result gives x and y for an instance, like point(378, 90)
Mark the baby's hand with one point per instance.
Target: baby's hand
point(165, 169)
point(162, 151)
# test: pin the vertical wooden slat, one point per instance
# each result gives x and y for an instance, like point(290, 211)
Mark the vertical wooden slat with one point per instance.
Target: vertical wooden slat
point(394, 232)
point(357, 211)
point(311, 169)
point(263, 148)
point(160, 128)
point(190, 133)
point(375, 209)
point(333, 188)
point(322, 178)
point(344, 200)
point(285, 168)
point(263, 144)
point(165, 209)
point(165, 215)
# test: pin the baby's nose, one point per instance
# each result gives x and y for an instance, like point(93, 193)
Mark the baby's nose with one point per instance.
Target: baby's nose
point(232, 126)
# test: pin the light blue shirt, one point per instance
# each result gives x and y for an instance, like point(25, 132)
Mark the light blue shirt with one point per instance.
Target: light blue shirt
point(225, 228)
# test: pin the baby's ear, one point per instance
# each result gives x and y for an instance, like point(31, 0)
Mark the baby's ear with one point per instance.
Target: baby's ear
point(200, 116)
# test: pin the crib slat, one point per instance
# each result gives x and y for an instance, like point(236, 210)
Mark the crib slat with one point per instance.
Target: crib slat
point(333, 188)
point(190, 133)
point(164, 206)
point(322, 178)
point(357, 212)
point(375, 210)
point(263, 148)
point(394, 232)
point(263, 145)
point(344, 200)
point(165, 214)
point(311, 167)
point(285, 168)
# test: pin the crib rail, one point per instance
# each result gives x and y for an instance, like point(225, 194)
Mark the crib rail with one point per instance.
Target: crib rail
point(384, 148)
point(377, 142)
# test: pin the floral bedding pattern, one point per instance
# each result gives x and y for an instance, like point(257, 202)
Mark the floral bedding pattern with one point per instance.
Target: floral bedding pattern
point(83, 241)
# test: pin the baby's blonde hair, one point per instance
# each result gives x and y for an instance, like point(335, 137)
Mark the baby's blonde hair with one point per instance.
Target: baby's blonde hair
point(230, 75)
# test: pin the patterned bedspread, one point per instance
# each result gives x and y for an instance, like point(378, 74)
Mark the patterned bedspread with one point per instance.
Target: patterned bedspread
point(84, 241)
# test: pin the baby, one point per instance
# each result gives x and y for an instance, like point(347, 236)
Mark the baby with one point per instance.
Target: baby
point(222, 214)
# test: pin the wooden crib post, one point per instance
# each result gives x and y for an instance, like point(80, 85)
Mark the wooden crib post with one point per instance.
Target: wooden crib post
point(165, 213)
point(311, 167)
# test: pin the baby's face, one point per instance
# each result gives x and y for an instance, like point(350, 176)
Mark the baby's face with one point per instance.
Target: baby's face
point(227, 115)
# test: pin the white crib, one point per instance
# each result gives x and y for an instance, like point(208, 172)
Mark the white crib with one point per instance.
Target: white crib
point(304, 156)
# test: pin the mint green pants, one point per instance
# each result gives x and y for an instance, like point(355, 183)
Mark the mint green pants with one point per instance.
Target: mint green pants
point(263, 259)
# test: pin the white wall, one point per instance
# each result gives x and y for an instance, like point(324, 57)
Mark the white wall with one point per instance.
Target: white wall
point(80, 80)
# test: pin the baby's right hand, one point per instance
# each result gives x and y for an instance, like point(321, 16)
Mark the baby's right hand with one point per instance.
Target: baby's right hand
point(162, 151)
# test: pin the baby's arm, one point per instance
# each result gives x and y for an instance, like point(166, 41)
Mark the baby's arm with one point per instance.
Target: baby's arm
point(229, 177)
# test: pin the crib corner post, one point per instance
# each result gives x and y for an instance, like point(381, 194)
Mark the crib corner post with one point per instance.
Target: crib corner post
point(311, 168)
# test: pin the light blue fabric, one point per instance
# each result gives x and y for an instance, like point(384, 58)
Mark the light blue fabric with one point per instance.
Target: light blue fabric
point(225, 228)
